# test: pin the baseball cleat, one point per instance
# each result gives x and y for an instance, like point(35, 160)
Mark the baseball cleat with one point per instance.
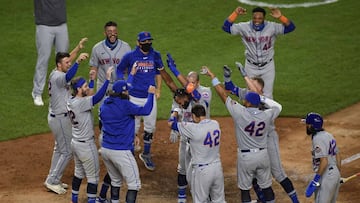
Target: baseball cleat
point(146, 158)
point(58, 189)
point(37, 100)
point(101, 200)
point(64, 185)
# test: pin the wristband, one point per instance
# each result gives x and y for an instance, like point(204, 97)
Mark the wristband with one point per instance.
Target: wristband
point(91, 84)
point(215, 81)
point(283, 19)
point(233, 17)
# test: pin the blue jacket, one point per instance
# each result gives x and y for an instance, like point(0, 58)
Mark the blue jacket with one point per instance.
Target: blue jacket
point(118, 121)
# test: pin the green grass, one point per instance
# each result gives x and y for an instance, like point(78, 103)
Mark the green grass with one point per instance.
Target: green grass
point(316, 66)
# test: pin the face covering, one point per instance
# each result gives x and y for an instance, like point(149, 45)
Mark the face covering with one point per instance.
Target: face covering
point(258, 27)
point(145, 47)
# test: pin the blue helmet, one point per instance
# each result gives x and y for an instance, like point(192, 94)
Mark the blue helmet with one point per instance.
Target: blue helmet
point(315, 120)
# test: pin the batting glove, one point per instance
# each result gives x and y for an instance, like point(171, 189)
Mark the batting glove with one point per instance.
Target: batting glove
point(227, 71)
point(313, 185)
point(241, 69)
point(171, 63)
point(174, 136)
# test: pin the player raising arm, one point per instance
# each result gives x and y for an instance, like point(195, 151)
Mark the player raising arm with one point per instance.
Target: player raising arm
point(58, 120)
point(258, 37)
point(251, 126)
point(118, 116)
point(256, 84)
point(207, 179)
point(83, 145)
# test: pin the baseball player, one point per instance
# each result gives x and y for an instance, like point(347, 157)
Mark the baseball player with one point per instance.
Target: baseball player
point(149, 63)
point(199, 95)
point(326, 161)
point(256, 84)
point(258, 37)
point(105, 54)
point(251, 126)
point(83, 136)
point(51, 30)
point(118, 116)
point(58, 120)
point(207, 179)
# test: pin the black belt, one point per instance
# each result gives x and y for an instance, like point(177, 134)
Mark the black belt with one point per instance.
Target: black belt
point(259, 64)
point(251, 150)
point(62, 114)
point(201, 165)
point(84, 141)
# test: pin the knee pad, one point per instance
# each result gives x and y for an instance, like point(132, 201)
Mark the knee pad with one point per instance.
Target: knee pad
point(182, 180)
point(269, 194)
point(148, 136)
point(131, 196)
point(287, 185)
point(91, 188)
point(115, 193)
point(76, 182)
point(245, 195)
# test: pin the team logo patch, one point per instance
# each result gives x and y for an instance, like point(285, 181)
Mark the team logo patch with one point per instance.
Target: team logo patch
point(205, 95)
point(317, 149)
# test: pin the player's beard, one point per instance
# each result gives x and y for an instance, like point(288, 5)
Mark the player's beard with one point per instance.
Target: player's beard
point(84, 93)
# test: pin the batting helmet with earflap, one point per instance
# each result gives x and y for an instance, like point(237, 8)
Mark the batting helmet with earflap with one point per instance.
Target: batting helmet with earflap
point(315, 120)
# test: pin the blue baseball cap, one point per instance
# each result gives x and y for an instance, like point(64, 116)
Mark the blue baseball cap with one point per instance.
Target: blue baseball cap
point(253, 98)
point(142, 36)
point(120, 86)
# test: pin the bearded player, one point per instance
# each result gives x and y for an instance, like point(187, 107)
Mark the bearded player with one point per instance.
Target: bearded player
point(105, 54)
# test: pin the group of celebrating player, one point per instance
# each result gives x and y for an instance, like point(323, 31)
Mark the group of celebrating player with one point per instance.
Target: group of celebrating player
point(133, 80)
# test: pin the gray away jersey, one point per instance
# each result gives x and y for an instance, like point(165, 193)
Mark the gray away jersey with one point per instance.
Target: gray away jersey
point(102, 57)
point(251, 124)
point(81, 117)
point(59, 92)
point(204, 140)
point(259, 44)
point(323, 145)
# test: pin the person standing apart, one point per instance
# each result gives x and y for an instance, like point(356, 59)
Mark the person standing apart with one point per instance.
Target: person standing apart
point(258, 37)
point(83, 145)
point(58, 119)
point(149, 63)
point(326, 161)
point(51, 30)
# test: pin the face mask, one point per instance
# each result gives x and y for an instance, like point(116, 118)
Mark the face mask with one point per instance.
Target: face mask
point(145, 47)
point(259, 27)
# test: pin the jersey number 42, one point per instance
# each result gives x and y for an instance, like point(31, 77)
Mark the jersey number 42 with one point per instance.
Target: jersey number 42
point(255, 129)
point(212, 139)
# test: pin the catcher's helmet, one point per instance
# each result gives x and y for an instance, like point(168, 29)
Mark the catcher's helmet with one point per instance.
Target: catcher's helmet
point(315, 120)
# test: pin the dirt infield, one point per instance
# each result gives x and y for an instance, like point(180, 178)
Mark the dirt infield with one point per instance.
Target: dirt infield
point(24, 163)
